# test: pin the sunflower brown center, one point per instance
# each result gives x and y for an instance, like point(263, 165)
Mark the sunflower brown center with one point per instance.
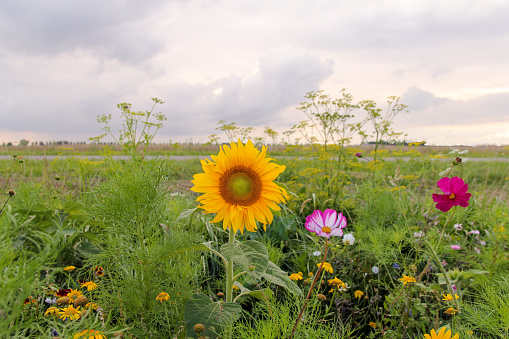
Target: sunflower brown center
point(240, 186)
point(452, 196)
point(326, 229)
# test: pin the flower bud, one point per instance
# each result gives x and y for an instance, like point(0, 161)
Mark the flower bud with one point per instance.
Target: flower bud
point(12, 192)
point(15, 156)
point(251, 268)
point(321, 297)
point(57, 177)
point(198, 328)
point(456, 161)
point(220, 294)
point(359, 155)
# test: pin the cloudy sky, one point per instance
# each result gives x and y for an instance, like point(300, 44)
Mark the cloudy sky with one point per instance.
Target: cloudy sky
point(63, 63)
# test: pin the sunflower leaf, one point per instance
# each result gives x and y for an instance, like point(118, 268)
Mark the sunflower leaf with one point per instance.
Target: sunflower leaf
point(215, 316)
point(251, 255)
point(277, 276)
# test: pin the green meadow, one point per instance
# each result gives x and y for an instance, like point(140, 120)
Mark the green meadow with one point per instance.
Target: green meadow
point(118, 248)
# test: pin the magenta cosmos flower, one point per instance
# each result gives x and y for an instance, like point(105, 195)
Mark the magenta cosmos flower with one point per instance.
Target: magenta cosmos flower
point(326, 224)
point(455, 193)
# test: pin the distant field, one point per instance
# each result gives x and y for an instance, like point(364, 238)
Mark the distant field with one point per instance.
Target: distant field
point(202, 149)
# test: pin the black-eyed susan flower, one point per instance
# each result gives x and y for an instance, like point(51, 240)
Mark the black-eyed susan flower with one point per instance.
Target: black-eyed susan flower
point(73, 295)
point(99, 271)
point(69, 268)
point(406, 279)
point(70, 312)
point(295, 276)
point(80, 301)
point(358, 294)
point(163, 296)
point(90, 285)
point(63, 292)
point(89, 334)
point(442, 334)
point(238, 186)
point(327, 267)
point(448, 297)
point(51, 311)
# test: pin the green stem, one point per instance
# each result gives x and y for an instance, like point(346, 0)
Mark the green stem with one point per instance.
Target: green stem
point(310, 290)
point(229, 271)
point(442, 269)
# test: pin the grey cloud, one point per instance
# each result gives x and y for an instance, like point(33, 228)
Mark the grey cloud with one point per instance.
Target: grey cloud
point(417, 99)
point(489, 108)
point(284, 77)
point(110, 28)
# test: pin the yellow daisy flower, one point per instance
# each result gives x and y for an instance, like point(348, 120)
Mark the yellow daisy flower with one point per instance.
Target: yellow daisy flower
point(336, 282)
point(70, 312)
point(90, 285)
point(238, 186)
point(406, 279)
point(163, 296)
point(295, 276)
point(92, 305)
point(450, 297)
point(51, 311)
point(441, 334)
point(326, 267)
point(451, 311)
point(372, 324)
point(73, 295)
point(358, 294)
point(235, 287)
point(89, 334)
point(69, 268)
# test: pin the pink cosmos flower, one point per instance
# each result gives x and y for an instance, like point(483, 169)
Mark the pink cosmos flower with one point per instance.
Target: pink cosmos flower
point(455, 193)
point(326, 224)
point(455, 247)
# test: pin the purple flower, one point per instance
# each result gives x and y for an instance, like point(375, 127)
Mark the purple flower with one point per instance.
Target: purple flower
point(454, 288)
point(483, 243)
point(455, 193)
point(474, 232)
point(396, 266)
point(458, 227)
point(444, 263)
point(326, 224)
point(455, 247)
point(358, 155)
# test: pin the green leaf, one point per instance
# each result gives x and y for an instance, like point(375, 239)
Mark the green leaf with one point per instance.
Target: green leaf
point(276, 276)
point(186, 213)
point(251, 255)
point(265, 293)
point(215, 316)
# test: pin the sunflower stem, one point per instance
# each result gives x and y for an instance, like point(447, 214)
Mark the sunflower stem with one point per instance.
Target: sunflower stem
point(229, 271)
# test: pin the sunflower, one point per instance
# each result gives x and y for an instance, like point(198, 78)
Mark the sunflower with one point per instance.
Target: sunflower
point(238, 186)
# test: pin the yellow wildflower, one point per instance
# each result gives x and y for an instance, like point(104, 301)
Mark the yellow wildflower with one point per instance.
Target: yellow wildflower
point(295, 276)
point(358, 294)
point(163, 296)
point(406, 279)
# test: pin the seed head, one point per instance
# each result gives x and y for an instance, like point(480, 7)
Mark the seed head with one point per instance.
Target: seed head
point(321, 297)
point(80, 301)
point(12, 192)
point(199, 328)
point(220, 294)
point(63, 301)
